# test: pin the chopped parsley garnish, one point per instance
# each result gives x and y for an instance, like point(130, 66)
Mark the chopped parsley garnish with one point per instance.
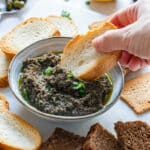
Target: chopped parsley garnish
point(25, 94)
point(48, 71)
point(66, 14)
point(80, 87)
point(69, 75)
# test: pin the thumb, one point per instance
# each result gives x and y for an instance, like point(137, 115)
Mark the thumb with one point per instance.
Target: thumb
point(110, 41)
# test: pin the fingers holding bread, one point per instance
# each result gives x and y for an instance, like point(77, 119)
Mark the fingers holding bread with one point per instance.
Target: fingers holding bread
point(80, 57)
point(26, 33)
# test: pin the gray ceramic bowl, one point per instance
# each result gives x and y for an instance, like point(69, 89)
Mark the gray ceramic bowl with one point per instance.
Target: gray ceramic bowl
point(57, 44)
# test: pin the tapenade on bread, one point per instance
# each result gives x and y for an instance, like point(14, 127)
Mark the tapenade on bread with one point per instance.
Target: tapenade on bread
point(52, 90)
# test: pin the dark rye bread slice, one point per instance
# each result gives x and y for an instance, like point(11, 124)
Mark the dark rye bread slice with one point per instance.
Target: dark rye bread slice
point(99, 138)
point(133, 135)
point(63, 140)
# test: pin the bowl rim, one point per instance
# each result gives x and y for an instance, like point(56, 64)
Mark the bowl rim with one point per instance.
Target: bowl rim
point(52, 116)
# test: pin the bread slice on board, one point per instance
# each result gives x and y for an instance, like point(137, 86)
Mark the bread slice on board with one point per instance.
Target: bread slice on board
point(4, 65)
point(16, 134)
point(63, 140)
point(99, 138)
point(136, 93)
point(3, 102)
point(81, 58)
point(66, 27)
point(133, 135)
point(26, 33)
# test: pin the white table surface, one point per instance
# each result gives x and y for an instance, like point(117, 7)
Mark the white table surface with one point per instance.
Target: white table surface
point(82, 15)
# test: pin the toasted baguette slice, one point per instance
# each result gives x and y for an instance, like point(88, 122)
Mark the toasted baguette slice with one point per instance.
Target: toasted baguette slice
point(99, 138)
point(26, 33)
point(16, 134)
point(65, 26)
point(4, 64)
point(80, 57)
point(133, 135)
point(97, 23)
point(3, 102)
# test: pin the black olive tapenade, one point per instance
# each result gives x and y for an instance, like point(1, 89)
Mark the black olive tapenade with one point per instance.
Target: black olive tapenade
point(52, 90)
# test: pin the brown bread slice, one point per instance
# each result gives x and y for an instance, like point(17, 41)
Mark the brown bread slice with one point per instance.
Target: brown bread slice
point(136, 93)
point(133, 135)
point(63, 140)
point(99, 138)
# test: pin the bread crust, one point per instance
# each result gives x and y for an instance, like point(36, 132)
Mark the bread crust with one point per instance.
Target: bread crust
point(26, 125)
point(3, 72)
point(102, 64)
point(4, 81)
point(97, 23)
point(12, 52)
point(3, 102)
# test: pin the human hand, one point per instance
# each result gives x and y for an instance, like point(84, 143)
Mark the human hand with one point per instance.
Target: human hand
point(133, 35)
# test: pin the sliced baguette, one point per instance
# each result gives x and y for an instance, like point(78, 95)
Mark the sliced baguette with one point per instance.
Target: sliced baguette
point(3, 102)
point(26, 33)
point(4, 64)
point(80, 57)
point(96, 24)
point(66, 27)
point(16, 134)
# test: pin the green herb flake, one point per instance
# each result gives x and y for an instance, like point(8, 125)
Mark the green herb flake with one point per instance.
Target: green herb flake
point(82, 92)
point(66, 14)
point(87, 2)
point(25, 94)
point(78, 85)
point(69, 75)
point(48, 71)
point(19, 82)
